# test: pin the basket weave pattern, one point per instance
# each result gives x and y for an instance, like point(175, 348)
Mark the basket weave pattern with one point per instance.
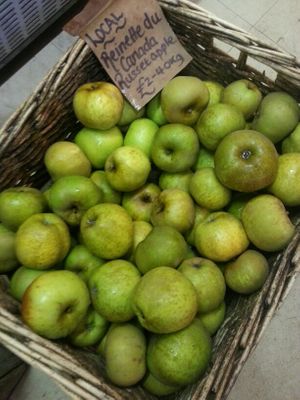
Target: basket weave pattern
point(47, 116)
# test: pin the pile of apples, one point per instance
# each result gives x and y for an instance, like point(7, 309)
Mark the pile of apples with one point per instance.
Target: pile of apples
point(149, 217)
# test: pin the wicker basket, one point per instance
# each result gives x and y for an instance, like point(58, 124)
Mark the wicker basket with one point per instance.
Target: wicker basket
point(47, 116)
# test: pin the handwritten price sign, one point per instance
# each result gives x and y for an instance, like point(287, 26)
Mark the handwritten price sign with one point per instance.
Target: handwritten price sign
point(137, 48)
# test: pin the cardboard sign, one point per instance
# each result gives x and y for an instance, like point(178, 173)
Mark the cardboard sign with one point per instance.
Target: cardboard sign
point(134, 43)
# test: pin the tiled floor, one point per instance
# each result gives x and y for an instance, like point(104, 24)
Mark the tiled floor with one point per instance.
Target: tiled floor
point(272, 371)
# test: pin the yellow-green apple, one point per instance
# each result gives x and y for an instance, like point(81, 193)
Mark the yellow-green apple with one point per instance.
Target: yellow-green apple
point(164, 245)
point(97, 144)
point(216, 122)
point(108, 194)
point(164, 300)
point(64, 158)
point(111, 287)
point(239, 159)
point(238, 202)
point(8, 258)
point(129, 114)
point(55, 303)
point(291, 144)
point(140, 134)
point(205, 159)
point(154, 110)
point(200, 214)
point(157, 388)
point(243, 94)
point(207, 191)
point(141, 230)
point(215, 90)
point(175, 148)
point(286, 185)
point(127, 168)
point(70, 196)
point(81, 261)
point(21, 279)
point(247, 273)
point(193, 348)
point(175, 180)
point(125, 354)
point(139, 203)
point(212, 320)
point(107, 230)
point(42, 241)
point(277, 116)
point(183, 99)
point(18, 203)
point(98, 105)
point(220, 237)
point(267, 223)
point(208, 281)
point(175, 208)
point(90, 330)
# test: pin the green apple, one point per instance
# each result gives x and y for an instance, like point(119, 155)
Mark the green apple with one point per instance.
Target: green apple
point(98, 105)
point(81, 261)
point(139, 203)
point(291, 144)
point(176, 180)
point(97, 145)
point(164, 300)
point(205, 159)
point(8, 258)
point(175, 148)
point(220, 237)
point(216, 122)
point(19, 203)
point(200, 214)
point(111, 287)
point(208, 281)
point(55, 303)
point(140, 134)
point(239, 159)
point(125, 355)
point(267, 223)
point(157, 388)
point(207, 191)
point(277, 116)
point(286, 185)
point(182, 357)
point(64, 158)
point(154, 110)
point(42, 241)
point(108, 194)
point(247, 273)
point(175, 208)
point(90, 330)
point(107, 230)
point(164, 245)
point(127, 168)
point(21, 279)
point(212, 320)
point(243, 94)
point(183, 99)
point(129, 114)
point(70, 196)
point(215, 90)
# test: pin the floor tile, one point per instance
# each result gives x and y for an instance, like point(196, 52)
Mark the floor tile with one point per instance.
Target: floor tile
point(272, 371)
point(19, 86)
point(249, 11)
point(282, 25)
